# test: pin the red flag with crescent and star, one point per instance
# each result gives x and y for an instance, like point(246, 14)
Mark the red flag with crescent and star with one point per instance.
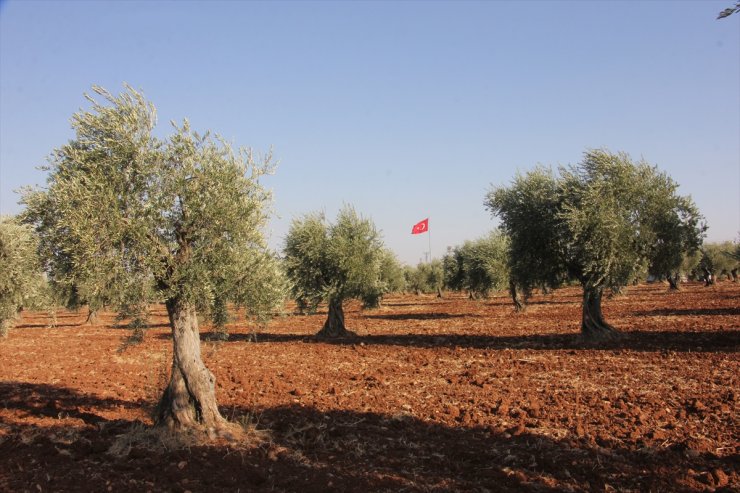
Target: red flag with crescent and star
point(420, 227)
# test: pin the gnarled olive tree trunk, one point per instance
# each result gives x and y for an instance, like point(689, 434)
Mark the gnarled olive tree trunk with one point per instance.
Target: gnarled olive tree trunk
point(593, 325)
point(190, 398)
point(5, 326)
point(334, 325)
point(673, 281)
point(514, 292)
point(92, 317)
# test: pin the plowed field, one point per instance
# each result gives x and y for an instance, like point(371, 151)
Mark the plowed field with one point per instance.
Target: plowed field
point(433, 394)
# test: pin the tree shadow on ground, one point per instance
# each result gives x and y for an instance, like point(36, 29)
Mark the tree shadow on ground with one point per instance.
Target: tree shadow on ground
point(319, 451)
point(551, 302)
point(680, 341)
point(680, 312)
point(63, 320)
point(45, 326)
point(125, 326)
point(421, 316)
point(418, 302)
point(51, 401)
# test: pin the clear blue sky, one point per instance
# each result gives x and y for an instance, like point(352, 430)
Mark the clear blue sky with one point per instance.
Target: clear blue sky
point(406, 110)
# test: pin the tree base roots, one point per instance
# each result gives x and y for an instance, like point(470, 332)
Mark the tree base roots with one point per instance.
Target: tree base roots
point(334, 333)
point(600, 332)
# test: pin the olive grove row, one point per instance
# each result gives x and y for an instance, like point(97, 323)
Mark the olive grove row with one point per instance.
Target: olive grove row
point(127, 219)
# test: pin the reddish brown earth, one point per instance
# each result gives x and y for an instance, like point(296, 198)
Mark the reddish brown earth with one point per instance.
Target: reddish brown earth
point(434, 395)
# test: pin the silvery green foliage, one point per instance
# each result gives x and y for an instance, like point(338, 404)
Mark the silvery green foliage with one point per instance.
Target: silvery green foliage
point(306, 263)
point(599, 222)
point(390, 280)
point(479, 266)
point(529, 212)
point(719, 258)
point(264, 293)
point(622, 214)
point(22, 284)
point(131, 219)
point(332, 261)
point(426, 277)
point(675, 230)
point(391, 273)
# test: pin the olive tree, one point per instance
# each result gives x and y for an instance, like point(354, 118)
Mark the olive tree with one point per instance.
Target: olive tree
point(333, 262)
point(672, 229)
point(598, 222)
point(304, 261)
point(735, 255)
point(261, 297)
point(529, 214)
point(71, 284)
point(390, 280)
point(478, 266)
point(414, 279)
point(426, 277)
point(719, 259)
point(21, 279)
point(149, 220)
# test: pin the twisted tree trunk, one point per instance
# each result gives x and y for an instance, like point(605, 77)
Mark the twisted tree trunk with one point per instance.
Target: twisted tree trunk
point(5, 326)
point(673, 281)
point(518, 304)
point(92, 317)
point(334, 325)
point(593, 325)
point(190, 398)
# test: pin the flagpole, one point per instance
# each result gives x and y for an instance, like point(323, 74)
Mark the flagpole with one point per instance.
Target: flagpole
point(419, 228)
point(429, 237)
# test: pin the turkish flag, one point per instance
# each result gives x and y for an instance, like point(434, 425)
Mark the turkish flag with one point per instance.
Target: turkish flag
point(420, 227)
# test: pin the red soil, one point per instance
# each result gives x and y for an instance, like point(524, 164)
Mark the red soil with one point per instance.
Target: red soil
point(433, 395)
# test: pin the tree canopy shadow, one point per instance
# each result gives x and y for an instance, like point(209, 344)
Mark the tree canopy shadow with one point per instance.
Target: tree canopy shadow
point(421, 316)
point(680, 312)
point(44, 326)
point(552, 302)
point(52, 401)
point(419, 302)
point(682, 341)
point(331, 450)
point(125, 326)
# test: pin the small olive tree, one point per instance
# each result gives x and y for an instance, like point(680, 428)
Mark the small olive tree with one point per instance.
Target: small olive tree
point(22, 284)
point(146, 220)
point(598, 223)
point(478, 266)
point(333, 263)
point(261, 298)
point(529, 213)
point(719, 259)
point(305, 263)
point(426, 277)
point(671, 227)
point(72, 285)
point(390, 280)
